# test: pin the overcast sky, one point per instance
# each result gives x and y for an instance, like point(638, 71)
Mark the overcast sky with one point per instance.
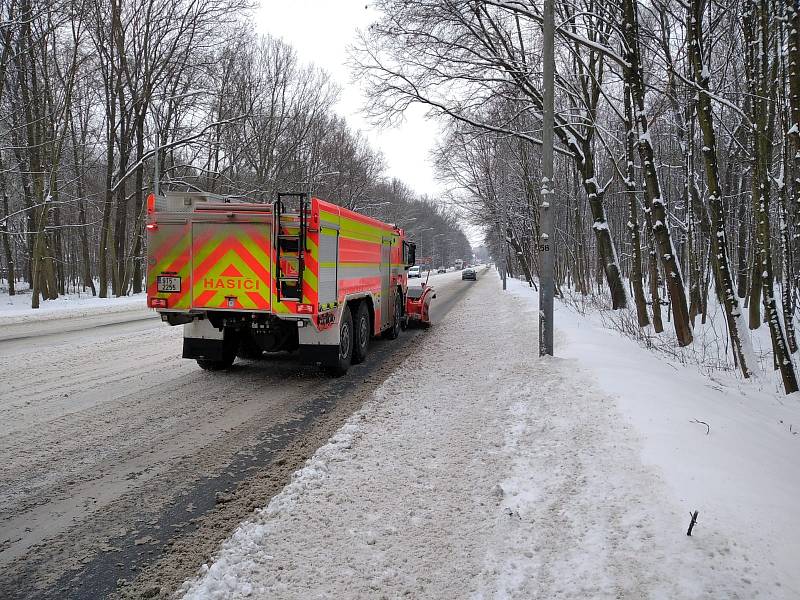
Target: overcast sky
point(321, 30)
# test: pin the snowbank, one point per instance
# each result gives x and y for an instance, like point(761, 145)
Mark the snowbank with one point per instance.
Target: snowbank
point(479, 470)
point(724, 446)
point(17, 309)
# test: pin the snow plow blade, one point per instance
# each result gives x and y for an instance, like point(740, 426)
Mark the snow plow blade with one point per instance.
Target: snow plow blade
point(418, 302)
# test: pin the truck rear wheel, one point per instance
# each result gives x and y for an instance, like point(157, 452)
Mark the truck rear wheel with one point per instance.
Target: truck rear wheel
point(362, 331)
point(249, 348)
point(397, 322)
point(217, 365)
point(226, 354)
point(345, 344)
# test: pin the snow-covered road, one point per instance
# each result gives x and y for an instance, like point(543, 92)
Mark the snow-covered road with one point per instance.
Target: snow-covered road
point(482, 471)
point(113, 446)
point(73, 328)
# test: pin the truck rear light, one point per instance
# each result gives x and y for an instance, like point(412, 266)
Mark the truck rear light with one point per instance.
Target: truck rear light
point(152, 226)
point(158, 303)
point(305, 308)
point(151, 203)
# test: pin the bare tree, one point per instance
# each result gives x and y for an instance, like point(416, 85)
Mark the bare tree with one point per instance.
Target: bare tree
point(456, 57)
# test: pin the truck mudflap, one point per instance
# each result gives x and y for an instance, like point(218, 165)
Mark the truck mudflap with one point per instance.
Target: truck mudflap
point(201, 340)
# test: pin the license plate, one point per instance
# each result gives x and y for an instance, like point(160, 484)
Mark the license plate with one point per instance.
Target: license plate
point(168, 284)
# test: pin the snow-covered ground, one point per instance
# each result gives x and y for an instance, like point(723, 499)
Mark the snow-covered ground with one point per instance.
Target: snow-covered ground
point(482, 471)
point(739, 471)
point(17, 308)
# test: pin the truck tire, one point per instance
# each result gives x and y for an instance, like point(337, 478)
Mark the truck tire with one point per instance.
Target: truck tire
point(229, 347)
point(397, 322)
point(345, 345)
point(362, 332)
point(249, 348)
point(217, 365)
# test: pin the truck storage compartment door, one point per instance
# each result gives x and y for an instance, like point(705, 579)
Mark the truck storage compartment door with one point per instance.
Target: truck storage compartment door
point(387, 299)
point(168, 265)
point(231, 265)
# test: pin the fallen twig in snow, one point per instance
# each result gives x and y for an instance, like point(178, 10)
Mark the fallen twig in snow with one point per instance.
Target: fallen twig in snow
point(692, 522)
point(708, 429)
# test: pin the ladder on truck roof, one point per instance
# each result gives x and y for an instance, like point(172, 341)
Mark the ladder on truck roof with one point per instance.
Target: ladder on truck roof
point(290, 247)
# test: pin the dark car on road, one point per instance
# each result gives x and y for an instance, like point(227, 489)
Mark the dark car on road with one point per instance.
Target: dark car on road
point(469, 274)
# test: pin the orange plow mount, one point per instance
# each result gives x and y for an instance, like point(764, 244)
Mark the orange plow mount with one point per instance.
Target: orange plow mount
point(418, 303)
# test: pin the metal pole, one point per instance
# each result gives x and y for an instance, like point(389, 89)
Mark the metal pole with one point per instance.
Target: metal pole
point(546, 249)
point(503, 262)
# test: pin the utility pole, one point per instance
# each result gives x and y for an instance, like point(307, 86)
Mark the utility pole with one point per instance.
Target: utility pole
point(546, 249)
point(503, 264)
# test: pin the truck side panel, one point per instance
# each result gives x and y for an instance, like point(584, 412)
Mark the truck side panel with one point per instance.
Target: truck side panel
point(361, 252)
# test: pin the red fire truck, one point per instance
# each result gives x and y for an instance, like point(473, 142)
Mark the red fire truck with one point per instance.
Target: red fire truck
point(244, 278)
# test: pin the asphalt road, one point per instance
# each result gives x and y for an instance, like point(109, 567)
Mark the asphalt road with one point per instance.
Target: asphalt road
point(124, 466)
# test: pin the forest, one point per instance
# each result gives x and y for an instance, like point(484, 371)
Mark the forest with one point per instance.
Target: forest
point(677, 170)
point(102, 102)
point(677, 175)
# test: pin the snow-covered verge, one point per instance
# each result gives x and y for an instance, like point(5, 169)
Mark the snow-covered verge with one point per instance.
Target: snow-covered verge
point(710, 349)
point(726, 447)
point(482, 471)
point(17, 309)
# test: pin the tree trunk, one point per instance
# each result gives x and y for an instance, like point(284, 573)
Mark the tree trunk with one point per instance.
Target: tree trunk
point(512, 240)
point(607, 253)
point(633, 76)
point(719, 243)
point(653, 276)
point(55, 247)
point(741, 249)
point(633, 218)
point(86, 271)
point(5, 231)
point(138, 195)
point(793, 75)
point(763, 78)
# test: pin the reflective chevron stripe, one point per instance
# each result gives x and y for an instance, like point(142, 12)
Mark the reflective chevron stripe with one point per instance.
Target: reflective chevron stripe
point(230, 269)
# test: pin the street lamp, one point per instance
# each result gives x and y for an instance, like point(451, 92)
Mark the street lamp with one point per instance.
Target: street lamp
point(370, 207)
point(316, 178)
point(405, 223)
point(433, 243)
point(419, 232)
